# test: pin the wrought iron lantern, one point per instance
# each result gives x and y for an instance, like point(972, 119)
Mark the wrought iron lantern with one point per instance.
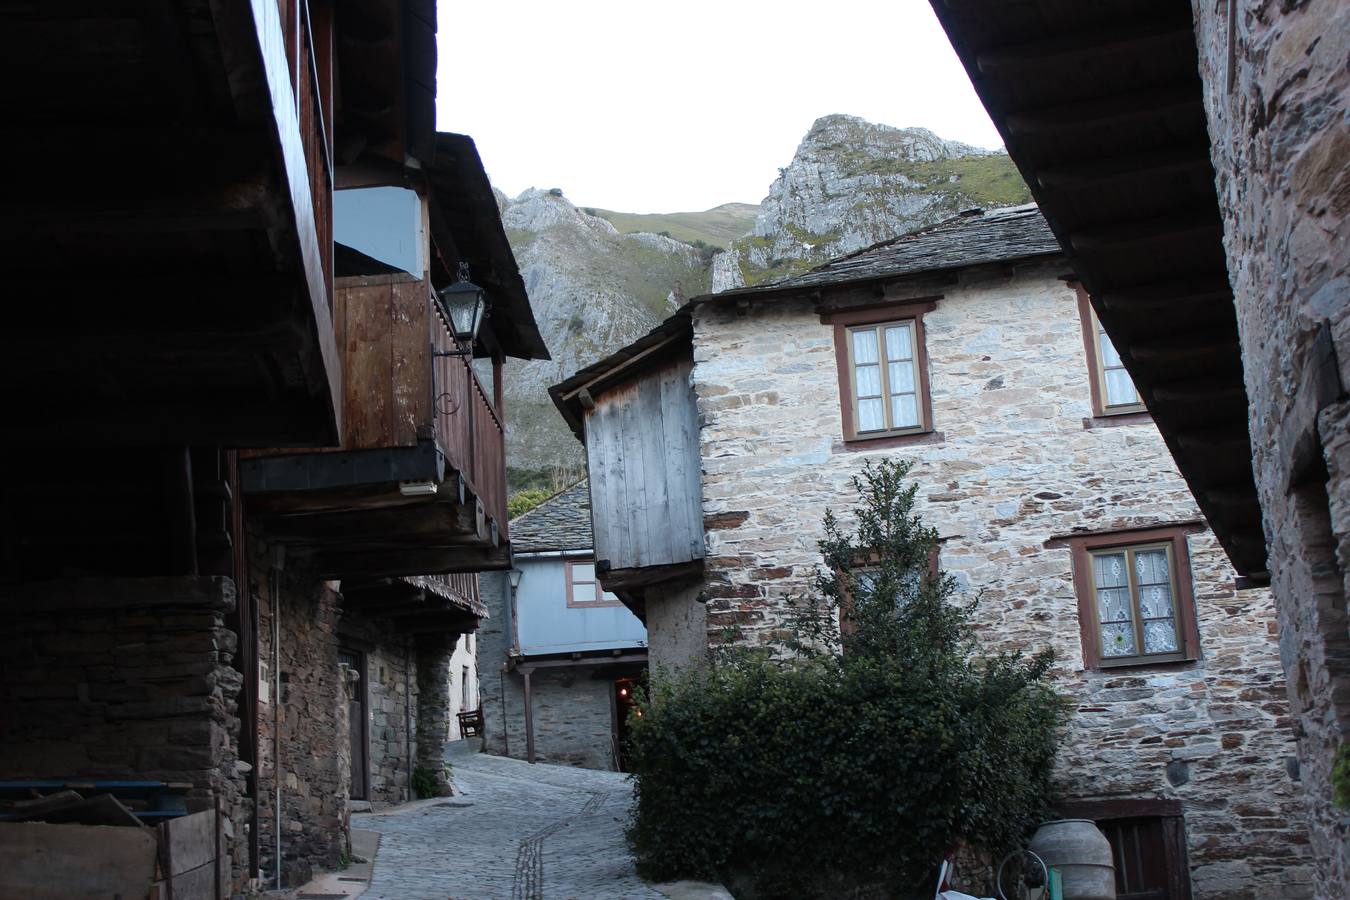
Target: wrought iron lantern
point(466, 305)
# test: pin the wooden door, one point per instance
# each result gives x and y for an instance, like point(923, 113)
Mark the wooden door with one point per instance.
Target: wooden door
point(1146, 858)
point(356, 723)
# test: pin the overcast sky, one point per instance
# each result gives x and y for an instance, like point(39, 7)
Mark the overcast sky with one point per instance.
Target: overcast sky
point(645, 106)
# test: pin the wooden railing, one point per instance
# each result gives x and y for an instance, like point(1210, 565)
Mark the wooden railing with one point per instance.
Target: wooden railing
point(461, 584)
point(468, 430)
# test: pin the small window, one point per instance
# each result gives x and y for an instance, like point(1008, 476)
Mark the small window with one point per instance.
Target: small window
point(883, 382)
point(1134, 598)
point(1148, 845)
point(583, 587)
point(865, 573)
point(1136, 605)
point(1113, 391)
point(885, 378)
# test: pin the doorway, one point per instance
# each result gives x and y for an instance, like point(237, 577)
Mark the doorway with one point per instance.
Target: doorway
point(356, 724)
point(623, 705)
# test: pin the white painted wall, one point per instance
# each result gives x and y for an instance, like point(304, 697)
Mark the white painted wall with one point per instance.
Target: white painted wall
point(382, 222)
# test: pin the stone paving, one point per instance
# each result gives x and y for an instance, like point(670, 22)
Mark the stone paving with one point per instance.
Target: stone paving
point(516, 832)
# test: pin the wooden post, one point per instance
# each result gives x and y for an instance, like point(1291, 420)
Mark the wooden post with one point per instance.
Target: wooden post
point(529, 718)
point(498, 398)
point(181, 509)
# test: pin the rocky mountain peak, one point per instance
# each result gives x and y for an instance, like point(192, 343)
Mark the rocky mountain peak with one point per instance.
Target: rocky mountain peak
point(598, 279)
point(853, 183)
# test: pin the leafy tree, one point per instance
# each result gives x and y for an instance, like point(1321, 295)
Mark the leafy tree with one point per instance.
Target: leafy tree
point(850, 762)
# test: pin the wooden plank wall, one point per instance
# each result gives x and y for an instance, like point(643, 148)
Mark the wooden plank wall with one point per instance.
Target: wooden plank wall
point(385, 336)
point(643, 459)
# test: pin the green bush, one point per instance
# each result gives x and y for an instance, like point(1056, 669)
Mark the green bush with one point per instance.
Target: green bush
point(522, 502)
point(847, 774)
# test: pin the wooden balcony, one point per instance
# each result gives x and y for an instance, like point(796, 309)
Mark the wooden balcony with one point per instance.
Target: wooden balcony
point(419, 483)
point(171, 176)
point(418, 604)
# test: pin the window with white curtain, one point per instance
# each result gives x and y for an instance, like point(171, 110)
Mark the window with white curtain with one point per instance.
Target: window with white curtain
point(1113, 390)
point(1136, 602)
point(883, 361)
point(1116, 384)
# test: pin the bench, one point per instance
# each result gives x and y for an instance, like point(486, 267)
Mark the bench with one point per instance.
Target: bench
point(471, 723)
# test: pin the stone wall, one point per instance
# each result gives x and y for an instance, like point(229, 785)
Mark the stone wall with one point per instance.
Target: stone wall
point(573, 717)
point(677, 625)
point(434, 682)
point(493, 645)
point(391, 684)
point(463, 666)
point(573, 713)
point(1018, 459)
point(314, 787)
point(1280, 144)
point(129, 679)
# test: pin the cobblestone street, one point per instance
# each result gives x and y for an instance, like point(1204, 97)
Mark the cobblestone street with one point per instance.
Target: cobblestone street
point(516, 832)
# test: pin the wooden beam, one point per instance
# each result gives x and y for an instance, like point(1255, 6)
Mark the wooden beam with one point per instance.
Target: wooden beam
point(370, 173)
point(406, 561)
point(1097, 173)
point(438, 521)
point(1185, 346)
point(1192, 226)
point(457, 622)
point(1121, 109)
point(615, 580)
point(1216, 443)
point(1161, 294)
point(1065, 50)
point(1216, 392)
point(244, 207)
point(529, 718)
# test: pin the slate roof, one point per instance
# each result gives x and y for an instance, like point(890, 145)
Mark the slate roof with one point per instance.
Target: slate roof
point(971, 238)
point(562, 522)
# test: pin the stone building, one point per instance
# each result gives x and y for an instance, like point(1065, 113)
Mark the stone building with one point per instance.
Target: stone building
point(1208, 218)
point(560, 656)
point(281, 265)
point(351, 705)
point(968, 349)
point(364, 556)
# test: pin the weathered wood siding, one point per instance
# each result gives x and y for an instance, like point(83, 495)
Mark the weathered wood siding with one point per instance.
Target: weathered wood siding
point(643, 457)
point(385, 336)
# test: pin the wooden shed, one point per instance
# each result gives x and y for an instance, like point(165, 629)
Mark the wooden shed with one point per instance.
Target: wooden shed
point(637, 414)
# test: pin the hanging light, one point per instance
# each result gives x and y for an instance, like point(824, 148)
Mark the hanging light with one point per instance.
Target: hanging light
point(465, 303)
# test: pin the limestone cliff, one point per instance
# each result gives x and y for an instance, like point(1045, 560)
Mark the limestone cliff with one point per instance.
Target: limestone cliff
point(593, 290)
point(852, 183)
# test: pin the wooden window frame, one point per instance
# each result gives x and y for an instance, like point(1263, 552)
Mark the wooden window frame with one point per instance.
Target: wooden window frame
point(868, 562)
point(599, 600)
point(1183, 595)
point(844, 321)
point(1096, 367)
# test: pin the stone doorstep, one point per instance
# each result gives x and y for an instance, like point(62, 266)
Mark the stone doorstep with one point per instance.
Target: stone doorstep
point(343, 884)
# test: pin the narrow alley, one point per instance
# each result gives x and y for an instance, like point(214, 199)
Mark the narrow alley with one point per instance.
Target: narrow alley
point(516, 832)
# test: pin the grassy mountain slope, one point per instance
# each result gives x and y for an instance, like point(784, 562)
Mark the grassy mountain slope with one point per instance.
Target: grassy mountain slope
point(719, 226)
